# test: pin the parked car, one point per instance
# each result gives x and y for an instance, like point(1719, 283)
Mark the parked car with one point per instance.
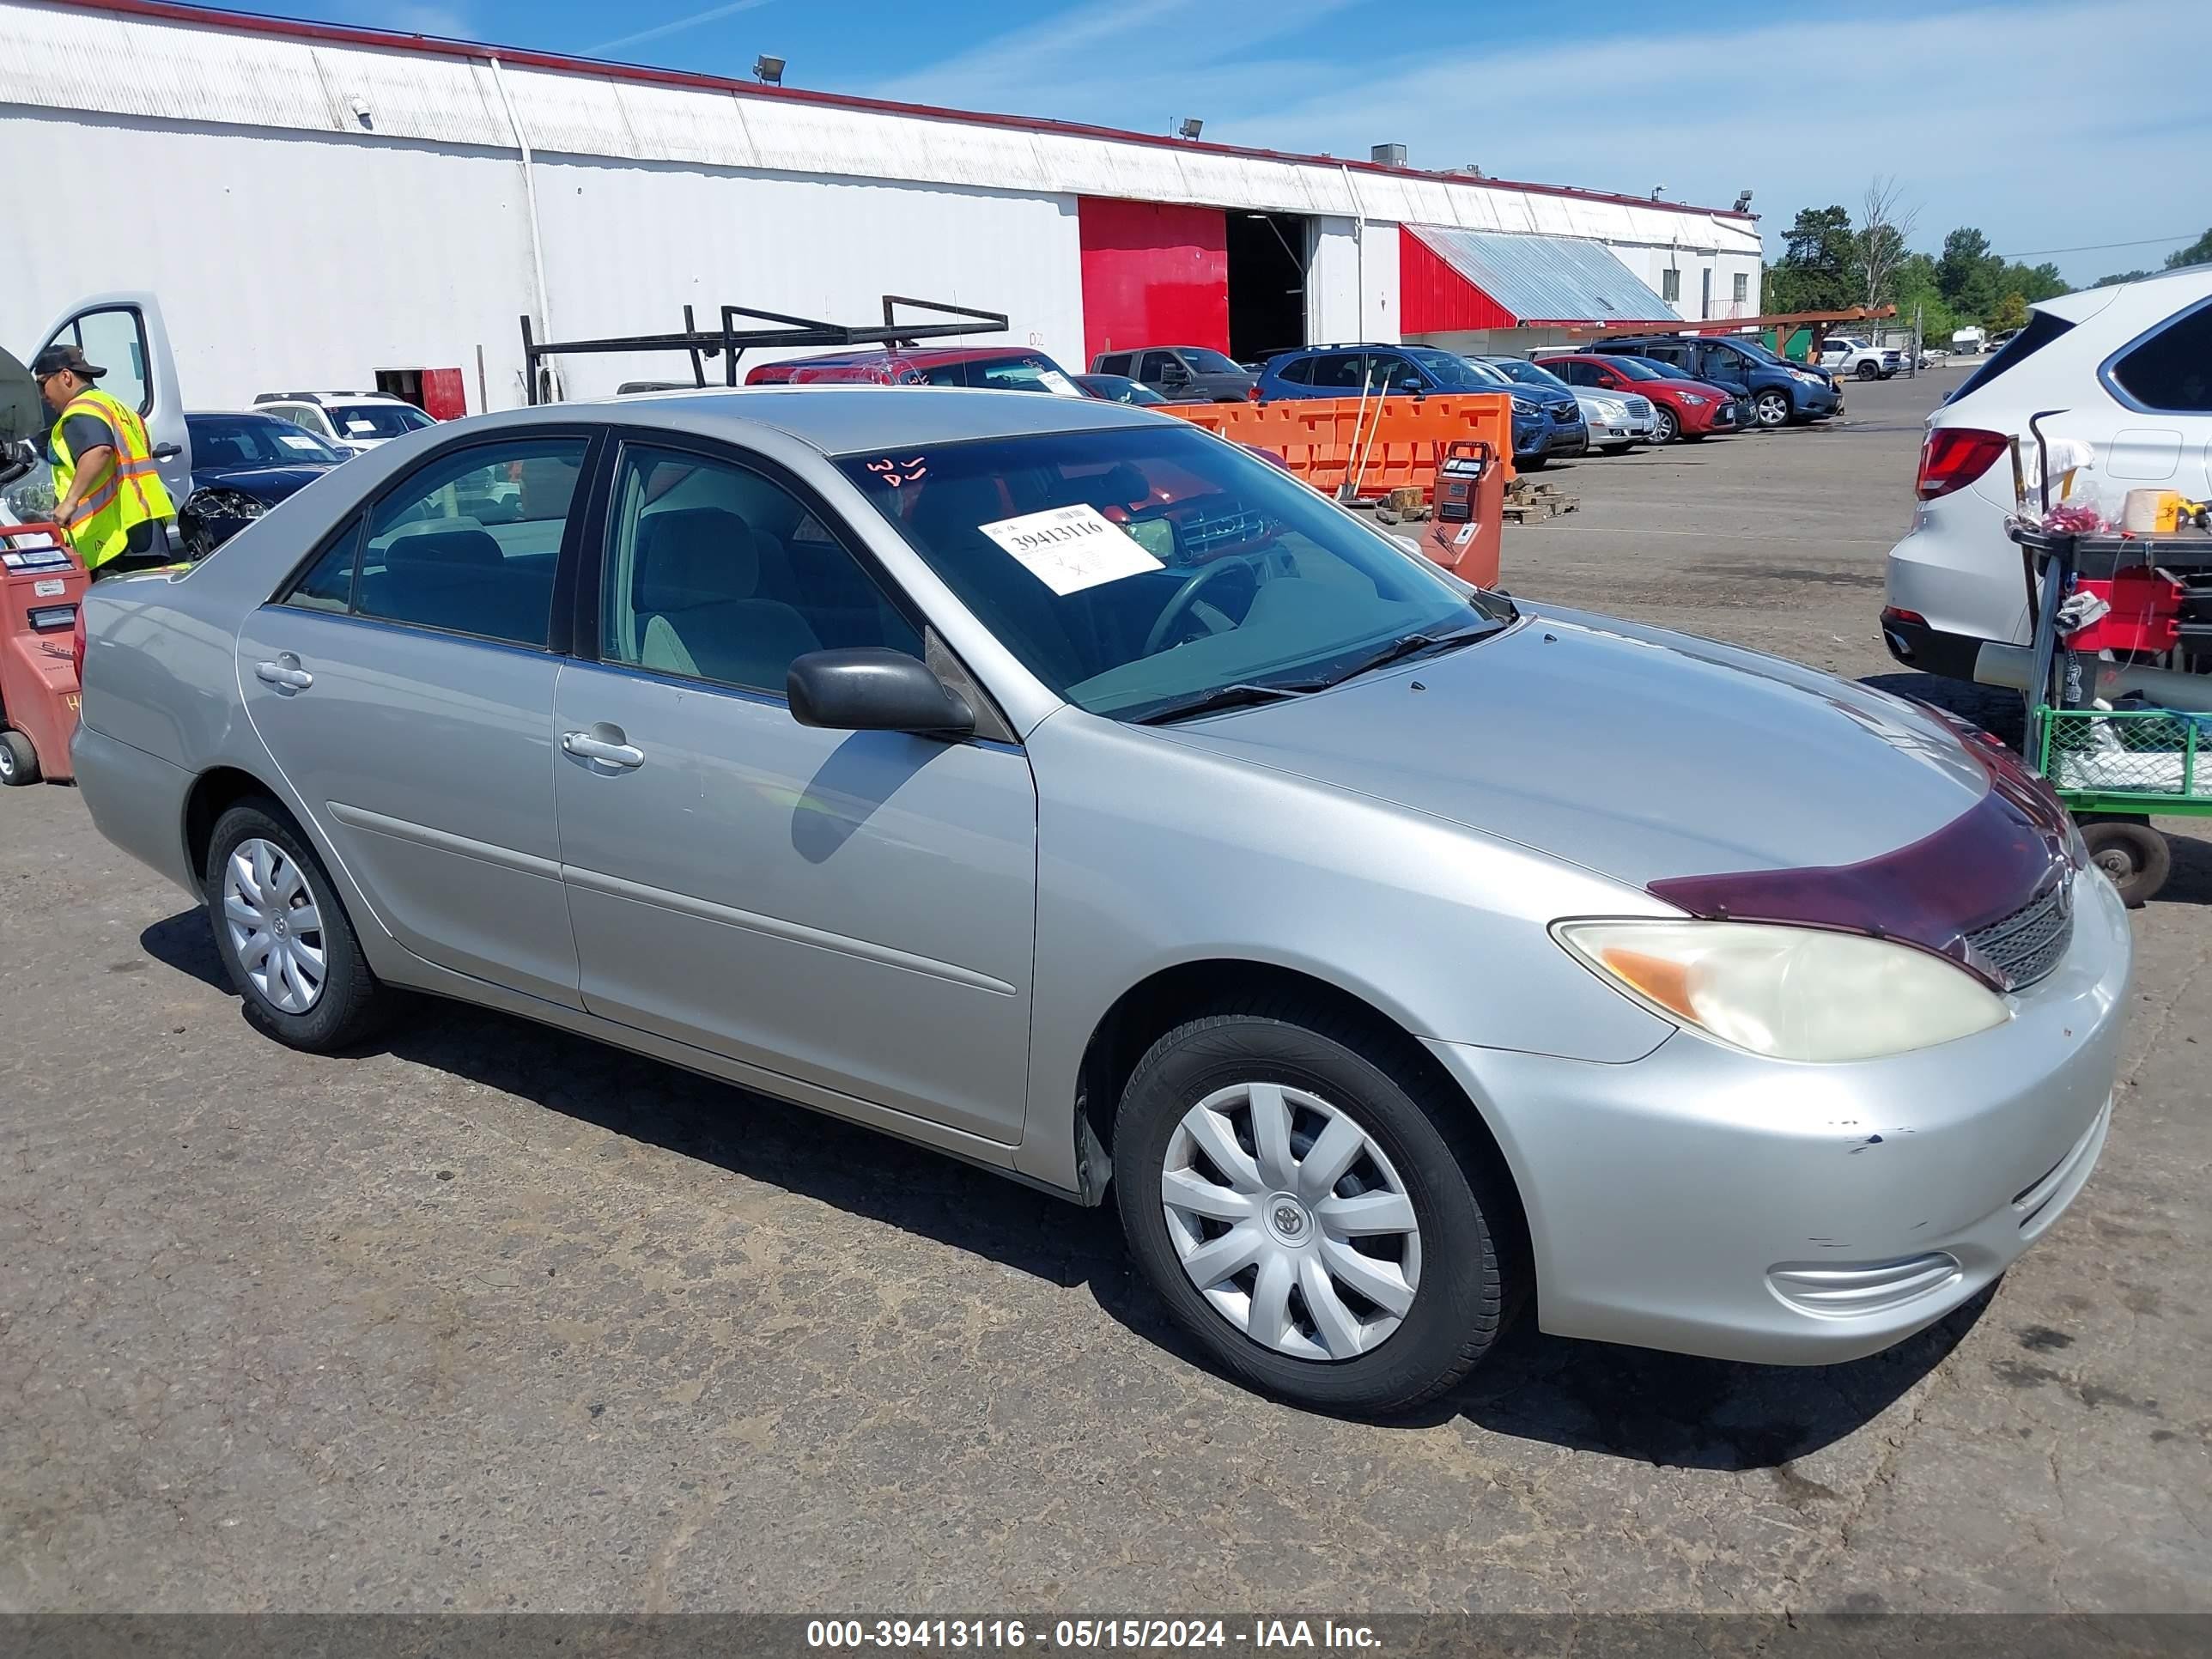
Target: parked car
point(1049, 782)
point(1616, 421)
point(1196, 373)
point(1547, 422)
point(243, 463)
point(1780, 392)
point(1118, 389)
point(356, 421)
point(2000, 340)
point(994, 368)
point(1843, 356)
point(2128, 370)
point(1680, 407)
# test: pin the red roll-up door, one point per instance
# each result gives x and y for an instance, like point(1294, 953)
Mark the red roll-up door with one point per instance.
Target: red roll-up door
point(1152, 275)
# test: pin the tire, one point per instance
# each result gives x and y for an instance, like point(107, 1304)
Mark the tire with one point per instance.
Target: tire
point(1219, 1071)
point(285, 871)
point(2134, 856)
point(19, 760)
point(1665, 428)
point(1869, 371)
point(1773, 409)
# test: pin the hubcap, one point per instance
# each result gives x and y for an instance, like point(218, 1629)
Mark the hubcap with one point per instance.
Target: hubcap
point(274, 926)
point(1290, 1221)
point(1772, 411)
point(2116, 864)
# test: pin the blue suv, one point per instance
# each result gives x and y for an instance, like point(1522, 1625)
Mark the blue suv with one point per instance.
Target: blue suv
point(1780, 392)
point(1547, 420)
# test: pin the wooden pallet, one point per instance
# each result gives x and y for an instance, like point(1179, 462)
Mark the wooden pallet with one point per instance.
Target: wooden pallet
point(1529, 503)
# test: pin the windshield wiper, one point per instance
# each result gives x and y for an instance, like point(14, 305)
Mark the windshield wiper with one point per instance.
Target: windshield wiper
point(1242, 695)
point(1408, 645)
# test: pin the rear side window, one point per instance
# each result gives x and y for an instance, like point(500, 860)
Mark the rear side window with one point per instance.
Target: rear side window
point(2042, 329)
point(1113, 362)
point(2172, 370)
point(466, 545)
point(1298, 371)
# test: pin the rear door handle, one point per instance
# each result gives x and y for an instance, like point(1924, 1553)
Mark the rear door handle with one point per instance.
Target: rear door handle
point(610, 751)
point(285, 674)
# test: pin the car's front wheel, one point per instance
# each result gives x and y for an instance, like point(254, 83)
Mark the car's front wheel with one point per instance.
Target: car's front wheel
point(1869, 371)
point(284, 936)
point(1665, 428)
point(1322, 1222)
point(1773, 409)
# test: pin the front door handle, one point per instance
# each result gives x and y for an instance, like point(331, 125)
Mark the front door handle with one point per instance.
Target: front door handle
point(285, 674)
point(167, 452)
point(610, 750)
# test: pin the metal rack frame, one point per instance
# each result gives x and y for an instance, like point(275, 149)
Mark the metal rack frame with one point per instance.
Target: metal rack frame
point(729, 342)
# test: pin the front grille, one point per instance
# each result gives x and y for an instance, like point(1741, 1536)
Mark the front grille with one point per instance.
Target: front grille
point(1566, 413)
point(1639, 409)
point(2024, 946)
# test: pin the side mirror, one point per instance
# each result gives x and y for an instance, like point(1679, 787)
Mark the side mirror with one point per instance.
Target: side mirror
point(870, 689)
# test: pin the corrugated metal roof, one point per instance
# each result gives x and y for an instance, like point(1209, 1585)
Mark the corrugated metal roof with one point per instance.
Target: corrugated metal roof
point(1546, 279)
point(169, 62)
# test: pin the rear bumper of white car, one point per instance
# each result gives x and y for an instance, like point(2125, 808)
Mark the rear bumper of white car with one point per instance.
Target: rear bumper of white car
point(1954, 582)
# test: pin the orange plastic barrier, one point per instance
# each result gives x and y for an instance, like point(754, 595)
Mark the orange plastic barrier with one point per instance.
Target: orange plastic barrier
point(1390, 443)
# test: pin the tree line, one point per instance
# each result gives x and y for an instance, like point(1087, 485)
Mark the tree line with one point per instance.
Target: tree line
point(1831, 260)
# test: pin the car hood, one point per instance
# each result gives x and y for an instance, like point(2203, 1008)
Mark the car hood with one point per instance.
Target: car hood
point(1541, 394)
point(267, 483)
point(1633, 752)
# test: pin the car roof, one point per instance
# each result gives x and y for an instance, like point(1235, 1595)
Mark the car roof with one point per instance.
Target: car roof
point(839, 420)
point(919, 356)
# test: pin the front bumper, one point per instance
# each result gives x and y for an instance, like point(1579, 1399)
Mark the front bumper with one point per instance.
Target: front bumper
point(1706, 1201)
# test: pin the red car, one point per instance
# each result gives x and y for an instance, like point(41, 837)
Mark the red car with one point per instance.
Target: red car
point(1001, 368)
point(1680, 409)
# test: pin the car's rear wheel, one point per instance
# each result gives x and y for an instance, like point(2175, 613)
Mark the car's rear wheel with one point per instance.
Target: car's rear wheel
point(284, 936)
point(1322, 1223)
point(1773, 409)
point(19, 760)
point(1665, 428)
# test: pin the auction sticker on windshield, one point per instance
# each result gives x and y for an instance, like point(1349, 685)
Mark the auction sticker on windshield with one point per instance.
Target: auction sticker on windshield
point(1069, 549)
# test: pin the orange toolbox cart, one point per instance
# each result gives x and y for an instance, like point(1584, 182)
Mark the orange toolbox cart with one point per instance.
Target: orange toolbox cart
point(41, 640)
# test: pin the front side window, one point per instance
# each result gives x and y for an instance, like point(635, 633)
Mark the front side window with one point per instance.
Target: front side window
point(1139, 571)
point(227, 442)
point(2170, 372)
point(716, 572)
point(468, 543)
point(116, 341)
point(1155, 366)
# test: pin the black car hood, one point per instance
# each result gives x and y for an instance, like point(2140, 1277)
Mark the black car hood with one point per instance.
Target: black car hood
point(263, 484)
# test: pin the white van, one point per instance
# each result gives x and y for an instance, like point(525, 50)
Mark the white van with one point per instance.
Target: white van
point(2129, 369)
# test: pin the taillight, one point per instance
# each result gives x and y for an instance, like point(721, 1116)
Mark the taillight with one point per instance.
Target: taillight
point(76, 642)
point(1953, 457)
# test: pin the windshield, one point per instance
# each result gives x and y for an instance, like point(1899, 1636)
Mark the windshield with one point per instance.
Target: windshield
point(1528, 373)
point(1744, 344)
point(1203, 361)
point(1021, 374)
point(1636, 369)
point(1139, 570)
point(244, 441)
point(1451, 372)
point(375, 420)
point(1665, 371)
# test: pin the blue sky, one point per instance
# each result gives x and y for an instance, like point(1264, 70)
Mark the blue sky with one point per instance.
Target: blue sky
point(2036, 122)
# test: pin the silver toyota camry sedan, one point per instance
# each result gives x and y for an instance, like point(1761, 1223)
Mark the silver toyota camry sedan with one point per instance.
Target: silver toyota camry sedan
point(1053, 784)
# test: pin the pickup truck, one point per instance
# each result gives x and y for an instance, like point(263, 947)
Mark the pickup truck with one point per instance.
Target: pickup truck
point(1843, 356)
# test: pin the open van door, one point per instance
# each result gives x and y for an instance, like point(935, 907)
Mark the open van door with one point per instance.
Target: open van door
point(123, 335)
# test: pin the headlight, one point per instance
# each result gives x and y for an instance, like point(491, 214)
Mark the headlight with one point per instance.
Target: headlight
point(1809, 379)
point(1610, 410)
point(1691, 398)
point(1522, 406)
point(220, 503)
point(1788, 993)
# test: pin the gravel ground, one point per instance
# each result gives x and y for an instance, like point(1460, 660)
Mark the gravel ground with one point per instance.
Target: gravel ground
point(489, 1317)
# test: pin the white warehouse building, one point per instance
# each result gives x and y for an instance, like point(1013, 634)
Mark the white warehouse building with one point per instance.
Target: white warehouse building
point(327, 207)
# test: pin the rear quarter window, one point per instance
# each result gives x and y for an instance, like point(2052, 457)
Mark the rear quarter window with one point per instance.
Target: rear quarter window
point(2170, 369)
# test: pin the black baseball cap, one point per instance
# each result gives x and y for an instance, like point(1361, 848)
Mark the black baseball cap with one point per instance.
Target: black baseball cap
point(56, 358)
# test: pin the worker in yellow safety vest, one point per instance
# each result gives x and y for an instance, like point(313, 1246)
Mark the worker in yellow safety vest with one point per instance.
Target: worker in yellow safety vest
point(108, 497)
